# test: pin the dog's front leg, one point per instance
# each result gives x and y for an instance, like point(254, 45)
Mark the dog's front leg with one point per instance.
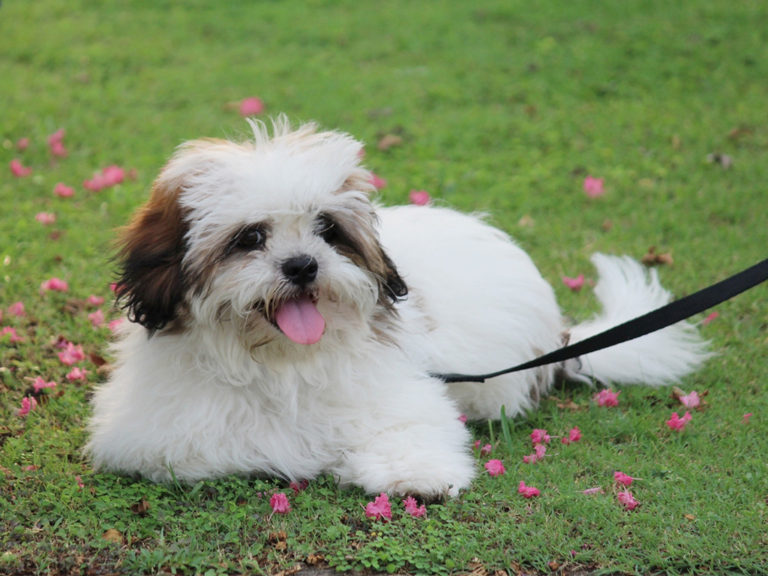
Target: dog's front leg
point(410, 441)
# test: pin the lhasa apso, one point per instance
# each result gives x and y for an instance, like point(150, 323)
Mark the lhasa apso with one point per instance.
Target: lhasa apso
point(282, 324)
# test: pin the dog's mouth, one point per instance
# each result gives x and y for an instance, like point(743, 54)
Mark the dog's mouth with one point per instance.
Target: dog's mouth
point(297, 317)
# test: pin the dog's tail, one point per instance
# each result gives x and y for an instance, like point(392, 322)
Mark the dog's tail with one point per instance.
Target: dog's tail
point(626, 290)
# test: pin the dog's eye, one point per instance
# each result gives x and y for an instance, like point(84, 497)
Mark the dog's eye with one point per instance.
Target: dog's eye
point(327, 229)
point(250, 237)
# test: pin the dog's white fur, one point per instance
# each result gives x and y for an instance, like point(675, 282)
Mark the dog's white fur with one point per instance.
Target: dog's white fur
point(205, 383)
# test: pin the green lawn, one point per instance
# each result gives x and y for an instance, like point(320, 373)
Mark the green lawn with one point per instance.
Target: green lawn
point(501, 106)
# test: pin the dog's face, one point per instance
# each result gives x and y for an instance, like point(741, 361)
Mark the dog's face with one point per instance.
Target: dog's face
point(276, 238)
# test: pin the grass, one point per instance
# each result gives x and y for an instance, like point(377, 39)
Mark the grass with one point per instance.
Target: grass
point(502, 107)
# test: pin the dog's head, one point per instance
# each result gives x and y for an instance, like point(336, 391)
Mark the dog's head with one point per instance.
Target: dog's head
point(276, 236)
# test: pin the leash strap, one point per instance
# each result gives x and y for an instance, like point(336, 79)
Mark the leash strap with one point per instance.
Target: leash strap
point(652, 321)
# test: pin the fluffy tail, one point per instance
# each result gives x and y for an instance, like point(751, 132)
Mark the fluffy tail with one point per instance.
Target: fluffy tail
point(625, 290)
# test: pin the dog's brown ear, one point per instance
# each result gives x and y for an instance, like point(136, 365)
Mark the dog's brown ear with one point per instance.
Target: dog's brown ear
point(151, 249)
point(393, 286)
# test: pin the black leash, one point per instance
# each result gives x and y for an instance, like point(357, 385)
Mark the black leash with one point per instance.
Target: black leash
point(652, 321)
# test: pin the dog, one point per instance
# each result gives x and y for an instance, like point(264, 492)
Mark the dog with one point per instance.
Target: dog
point(283, 324)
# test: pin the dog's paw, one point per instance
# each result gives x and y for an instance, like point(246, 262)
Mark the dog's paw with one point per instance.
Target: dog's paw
point(406, 470)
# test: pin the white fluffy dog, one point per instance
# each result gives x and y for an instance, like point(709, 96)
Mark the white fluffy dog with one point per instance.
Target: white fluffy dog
point(284, 325)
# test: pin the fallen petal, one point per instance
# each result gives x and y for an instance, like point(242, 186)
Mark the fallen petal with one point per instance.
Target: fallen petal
point(419, 197)
point(590, 491)
point(378, 182)
point(623, 479)
point(19, 170)
point(593, 187)
point(279, 503)
point(45, 218)
point(574, 284)
point(251, 106)
point(527, 491)
point(63, 191)
point(380, 508)
point(607, 398)
point(627, 500)
point(495, 467)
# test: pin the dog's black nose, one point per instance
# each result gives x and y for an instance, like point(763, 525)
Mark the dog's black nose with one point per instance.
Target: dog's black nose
point(300, 270)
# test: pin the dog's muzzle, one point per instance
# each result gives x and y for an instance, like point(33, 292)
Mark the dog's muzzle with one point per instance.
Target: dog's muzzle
point(297, 315)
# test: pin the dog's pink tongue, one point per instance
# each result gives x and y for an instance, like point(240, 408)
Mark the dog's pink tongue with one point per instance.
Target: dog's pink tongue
point(300, 321)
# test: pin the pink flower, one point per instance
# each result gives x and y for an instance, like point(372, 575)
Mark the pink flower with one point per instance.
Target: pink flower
point(79, 482)
point(71, 354)
point(495, 467)
point(22, 144)
point(18, 169)
point(627, 500)
point(463, 418)
point(96, 318)
point(115, 324)
point(56, 143)
point(746, 417)
point(299, 486)
point(623, 479)
point(486, 450)
point(45, 218)
point(419, 197)
point(251, 106)
point(94, 301)
point(27, 405)
point(54, 284)
point(540, 436)
point(16, 309)
point(77, 373)
point(412, 507)
point(109, 176)
point(279, 503)
point(710, 318)
point(593, 187)
point(40, 384)
point(58, 149)
point(11, 332)
point(527, 491)
point(113, 174)
point(380, 508)
point(590, 491)
point(574, 284)
point(690, 400)
point(538, 453)
point(378, 182)
point(98, 182)
point(607, 398)
point(574, 435)
point(63, 191)
point(678, 423)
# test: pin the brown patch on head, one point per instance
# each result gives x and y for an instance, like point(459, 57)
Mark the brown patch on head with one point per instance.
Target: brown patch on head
point(151, 249)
